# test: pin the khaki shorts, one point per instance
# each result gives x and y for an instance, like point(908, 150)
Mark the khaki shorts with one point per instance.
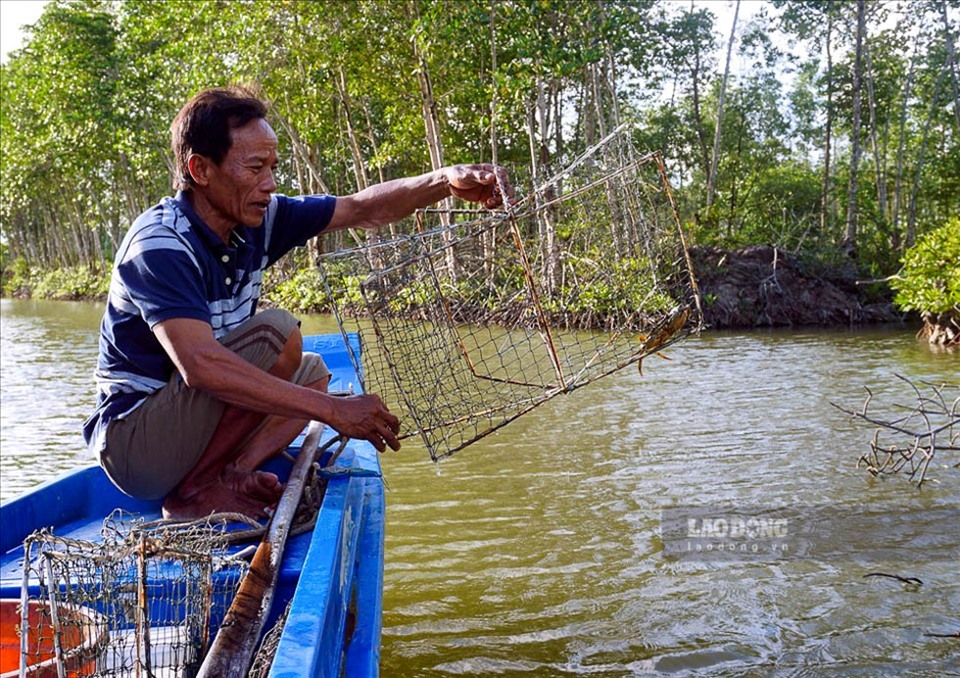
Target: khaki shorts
point(149, 451)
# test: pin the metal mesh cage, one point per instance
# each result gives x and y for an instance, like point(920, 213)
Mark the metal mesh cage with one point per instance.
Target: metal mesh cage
point(139, 602)
point(478, 317)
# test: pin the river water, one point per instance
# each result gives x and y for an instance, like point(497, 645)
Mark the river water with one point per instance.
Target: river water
point(539, 551)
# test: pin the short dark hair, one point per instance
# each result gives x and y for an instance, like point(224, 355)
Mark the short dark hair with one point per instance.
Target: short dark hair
point(203, 126)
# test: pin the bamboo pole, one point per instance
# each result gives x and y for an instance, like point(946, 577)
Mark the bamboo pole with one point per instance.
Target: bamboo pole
point(232, 651)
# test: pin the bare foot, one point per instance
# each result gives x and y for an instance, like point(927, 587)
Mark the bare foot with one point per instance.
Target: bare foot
point(213, 498)
point(257, 485)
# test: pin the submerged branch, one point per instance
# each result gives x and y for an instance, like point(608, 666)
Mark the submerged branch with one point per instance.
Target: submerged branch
point(929, 426)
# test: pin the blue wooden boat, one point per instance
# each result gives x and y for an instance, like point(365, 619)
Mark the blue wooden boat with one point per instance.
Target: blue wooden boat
point(332, 577)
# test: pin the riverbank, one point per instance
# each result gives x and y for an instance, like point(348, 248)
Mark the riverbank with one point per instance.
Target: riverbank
point(758, 286)
point(763, 286)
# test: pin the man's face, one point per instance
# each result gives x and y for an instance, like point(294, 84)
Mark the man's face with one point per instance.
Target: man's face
point(240, 188)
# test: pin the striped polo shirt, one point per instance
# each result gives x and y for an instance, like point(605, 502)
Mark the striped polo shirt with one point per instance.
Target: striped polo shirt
point(172, 265)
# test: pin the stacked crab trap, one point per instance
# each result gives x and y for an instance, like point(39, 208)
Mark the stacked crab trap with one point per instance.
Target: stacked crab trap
point(136, 601)
point(478, 317)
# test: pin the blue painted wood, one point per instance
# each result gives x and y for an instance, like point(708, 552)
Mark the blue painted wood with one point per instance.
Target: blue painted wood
point(357, 459)
point(312, 640)
point(323, 573)
point(363, 648)
point(342, 354)
point(343, 568)
point(69, 498)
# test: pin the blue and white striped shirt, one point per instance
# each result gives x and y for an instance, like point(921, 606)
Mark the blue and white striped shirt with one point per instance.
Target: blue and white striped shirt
point(171, 265)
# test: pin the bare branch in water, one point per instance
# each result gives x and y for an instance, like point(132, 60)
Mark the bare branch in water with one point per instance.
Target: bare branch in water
point(909, 442)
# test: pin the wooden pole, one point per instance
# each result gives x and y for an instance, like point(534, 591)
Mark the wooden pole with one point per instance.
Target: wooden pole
point(232, 651)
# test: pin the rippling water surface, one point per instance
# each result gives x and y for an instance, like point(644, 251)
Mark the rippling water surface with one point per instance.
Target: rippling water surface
point(48, 351)
point(537, 551)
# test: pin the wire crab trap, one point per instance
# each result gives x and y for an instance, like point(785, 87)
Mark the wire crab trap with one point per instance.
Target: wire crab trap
point(478, 317)
point(143, 601)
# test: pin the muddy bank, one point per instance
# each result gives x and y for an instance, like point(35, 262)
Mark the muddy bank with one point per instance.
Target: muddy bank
point(762, 286)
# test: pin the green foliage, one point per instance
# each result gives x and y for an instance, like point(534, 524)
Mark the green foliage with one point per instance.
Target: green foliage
point(930, 277)
point(303, 292)
point(627, 286)
point(418, 294)
point(79, 282)
point(86, 107)
point(69, 283)
point(17, 278)
point(782, 208)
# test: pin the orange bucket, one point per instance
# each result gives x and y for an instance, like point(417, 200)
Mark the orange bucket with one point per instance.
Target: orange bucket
point(83, 637)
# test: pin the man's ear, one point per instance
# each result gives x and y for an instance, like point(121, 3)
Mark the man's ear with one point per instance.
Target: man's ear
point(199, 167)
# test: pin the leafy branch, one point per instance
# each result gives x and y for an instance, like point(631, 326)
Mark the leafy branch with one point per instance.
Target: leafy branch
point(910, 441)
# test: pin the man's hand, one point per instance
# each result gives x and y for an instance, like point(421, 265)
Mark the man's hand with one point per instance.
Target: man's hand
point(365, 417)
point(480, 184)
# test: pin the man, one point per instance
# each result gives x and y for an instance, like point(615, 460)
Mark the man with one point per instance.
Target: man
point(196, 391)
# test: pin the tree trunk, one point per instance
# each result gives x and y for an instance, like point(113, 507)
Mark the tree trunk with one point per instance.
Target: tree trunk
point(825, 222)
point(951, 62)
point(910, 235)
point(735, 174)
point(428, 106)
point(697, 116)
point(314, 182)
point(359, 167)
point(588, 110)
point(597, 95)
point(879, 156)
point(850, 230)
point(431, 124)
point(611, 82)
point(356, 155)
point(901, 144)
point(712, 176)
point(372, 136)
point(545, 217)
point(488, 238)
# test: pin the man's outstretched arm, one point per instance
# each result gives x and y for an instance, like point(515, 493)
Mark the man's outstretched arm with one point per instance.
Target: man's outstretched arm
point(393, 200)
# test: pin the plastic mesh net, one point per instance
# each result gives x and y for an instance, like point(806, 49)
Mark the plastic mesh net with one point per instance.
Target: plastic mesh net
point(478, 317)
point(139, 602)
